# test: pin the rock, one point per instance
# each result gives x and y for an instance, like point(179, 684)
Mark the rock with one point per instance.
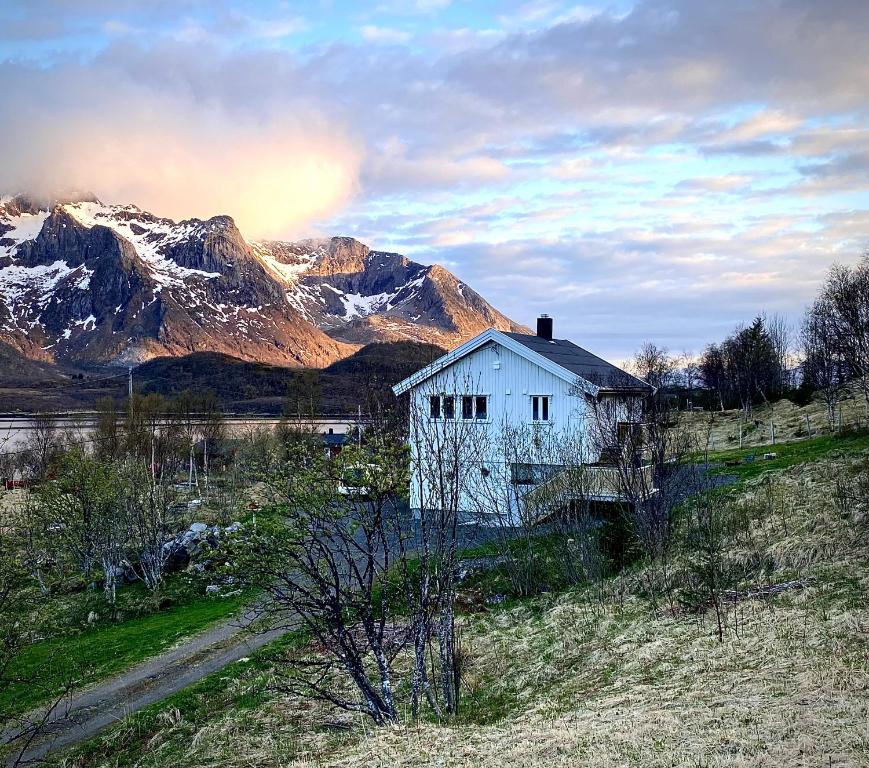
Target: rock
point(93, 617)
point(198, 527)
point(496, 599)
point(233, 527)
point(212, 589)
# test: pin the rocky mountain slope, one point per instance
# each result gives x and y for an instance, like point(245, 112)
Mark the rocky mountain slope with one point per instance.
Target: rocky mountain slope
point(85, 282)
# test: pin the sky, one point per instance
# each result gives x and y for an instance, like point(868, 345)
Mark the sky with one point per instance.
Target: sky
point(652, 170)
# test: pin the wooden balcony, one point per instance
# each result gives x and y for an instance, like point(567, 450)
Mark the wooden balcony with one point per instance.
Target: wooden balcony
point(588, 482)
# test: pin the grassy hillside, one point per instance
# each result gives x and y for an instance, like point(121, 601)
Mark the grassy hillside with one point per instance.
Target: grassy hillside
point(602, 676)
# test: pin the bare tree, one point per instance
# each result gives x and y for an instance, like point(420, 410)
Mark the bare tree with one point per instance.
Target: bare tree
point(42, 446)
point(824, 365)
point(781, 340)
point(655, 366)
point(446, 449)
point(326, 561)
point(714, 373)
point(79, 511)
point(846, 295)
point(642, 443)
point(107, 435)
point(144, 500)
point(691, 371)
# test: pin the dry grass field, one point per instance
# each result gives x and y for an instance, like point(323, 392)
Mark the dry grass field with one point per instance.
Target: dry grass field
point(598, 677)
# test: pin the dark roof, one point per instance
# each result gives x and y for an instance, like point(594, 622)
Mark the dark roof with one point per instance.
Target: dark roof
point(335, 440)
point(581, 362)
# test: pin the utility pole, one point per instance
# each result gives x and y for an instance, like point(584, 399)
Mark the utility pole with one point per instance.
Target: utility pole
point(129, 399)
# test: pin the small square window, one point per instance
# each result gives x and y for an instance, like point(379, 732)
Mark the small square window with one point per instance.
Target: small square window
point(540, 408)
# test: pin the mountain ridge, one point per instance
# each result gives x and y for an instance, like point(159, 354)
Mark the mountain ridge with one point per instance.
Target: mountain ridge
point(83, 282)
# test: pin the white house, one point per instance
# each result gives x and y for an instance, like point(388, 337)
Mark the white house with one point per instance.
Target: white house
point(505, 414)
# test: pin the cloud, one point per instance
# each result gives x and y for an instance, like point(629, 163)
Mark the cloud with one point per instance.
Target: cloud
point(395, 169)
point(728, 183)
point(172, 154)
point(375, 34)
point(622, 165)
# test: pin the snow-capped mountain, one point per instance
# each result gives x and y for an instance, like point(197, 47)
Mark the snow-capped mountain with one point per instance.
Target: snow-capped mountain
point(81, 281)
point(358, 295)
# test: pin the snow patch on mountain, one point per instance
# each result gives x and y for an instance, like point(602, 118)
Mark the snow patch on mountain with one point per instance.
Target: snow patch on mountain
point(286, 272)
point(18, 282)
point(150, 237)
point(25, 226)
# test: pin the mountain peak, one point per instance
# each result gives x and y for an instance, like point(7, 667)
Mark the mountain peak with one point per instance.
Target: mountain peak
point(341, 256)
point(28, 203)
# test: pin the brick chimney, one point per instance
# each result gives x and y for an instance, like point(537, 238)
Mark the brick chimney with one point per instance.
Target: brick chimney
point(544, 327)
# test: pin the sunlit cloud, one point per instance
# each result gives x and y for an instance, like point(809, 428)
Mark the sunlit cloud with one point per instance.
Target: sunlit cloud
point(177, 158)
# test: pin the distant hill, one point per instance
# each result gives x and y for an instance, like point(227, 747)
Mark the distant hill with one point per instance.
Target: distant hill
point(248, 386)
point(16, 370)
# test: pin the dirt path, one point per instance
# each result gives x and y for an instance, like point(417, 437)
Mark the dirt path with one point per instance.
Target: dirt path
point(109, 701)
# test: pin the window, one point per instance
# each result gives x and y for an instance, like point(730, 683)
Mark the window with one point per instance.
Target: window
point(480, 410)
point(474, 407)
point(630, 431)
point(442, 407)
point(522, 473)
point(449, 407)
point(540, 408)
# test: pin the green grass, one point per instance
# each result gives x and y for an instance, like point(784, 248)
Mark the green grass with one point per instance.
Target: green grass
point(787, 454)
point(94, 654)
point(240, 688)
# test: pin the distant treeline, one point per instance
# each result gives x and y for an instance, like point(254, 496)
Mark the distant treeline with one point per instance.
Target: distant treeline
point(767, 360)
